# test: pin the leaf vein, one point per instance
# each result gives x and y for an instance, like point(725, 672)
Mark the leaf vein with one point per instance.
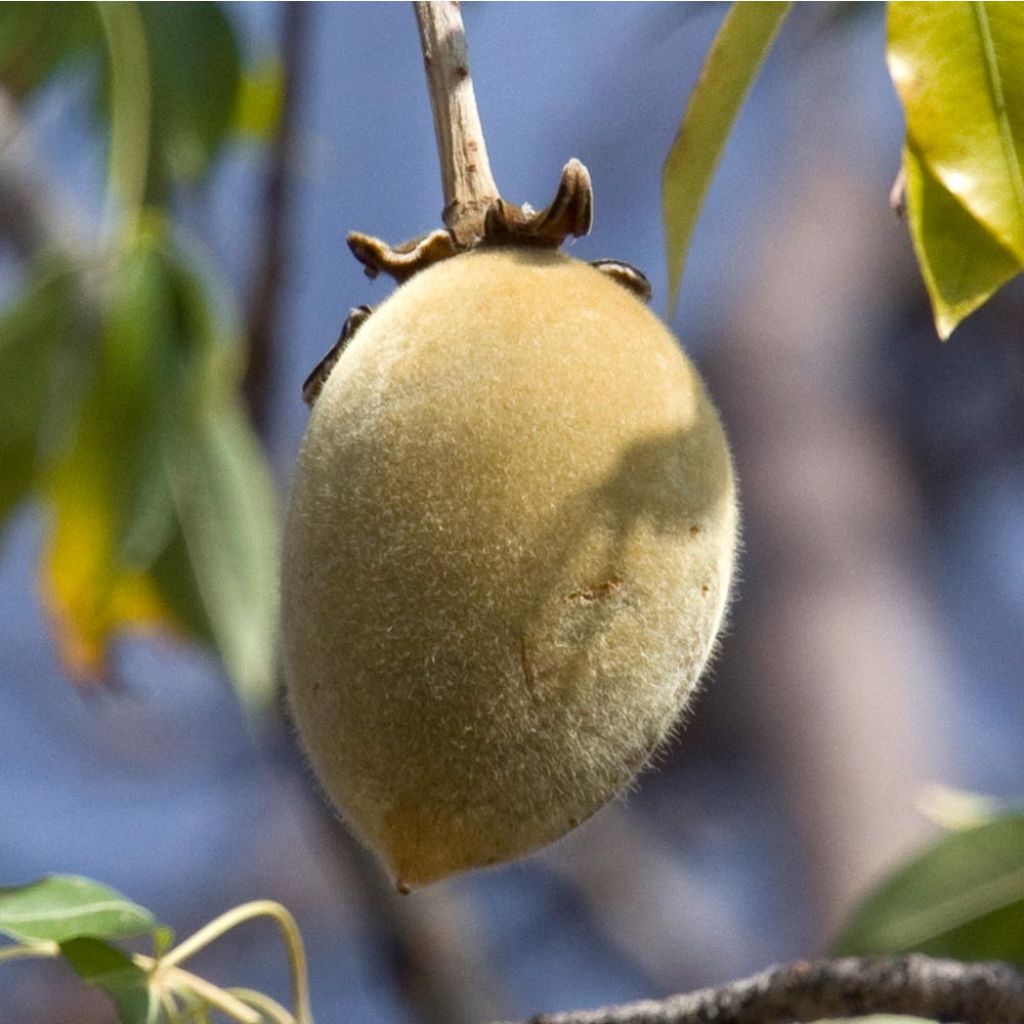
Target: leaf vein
point(993, 77)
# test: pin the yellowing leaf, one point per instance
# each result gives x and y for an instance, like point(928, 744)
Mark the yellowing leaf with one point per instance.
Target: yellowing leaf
point(957, 68)
point(90, 596)
point(110, 503)
point(163, 509)
point(736, 55)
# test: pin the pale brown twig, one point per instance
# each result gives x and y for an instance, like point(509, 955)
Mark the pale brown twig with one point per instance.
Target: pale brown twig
point(469, 187)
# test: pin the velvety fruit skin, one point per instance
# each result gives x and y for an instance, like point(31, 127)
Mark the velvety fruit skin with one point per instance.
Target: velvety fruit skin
point(508, 552)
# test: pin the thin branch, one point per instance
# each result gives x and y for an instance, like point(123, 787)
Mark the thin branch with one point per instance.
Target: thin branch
point(236, 916)
point(469, 186)
point(917, 986)
point(272, 272)
point(474, 212)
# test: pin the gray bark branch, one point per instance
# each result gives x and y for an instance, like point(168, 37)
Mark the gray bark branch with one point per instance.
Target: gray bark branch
point(918, 986)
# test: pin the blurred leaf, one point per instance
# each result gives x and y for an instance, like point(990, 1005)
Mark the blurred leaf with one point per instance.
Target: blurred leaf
point(174, 577)
point(260, 99)
point(38, 39)
point(164, 510)
point(62, 907)
point(226, 505)
point(960, 261)
point(110, 499)
point(111, 971)
point(736, 55)
point(962, 898)
point(957, 69)
point(194, 68)
point(225, 502)
point(32, 331)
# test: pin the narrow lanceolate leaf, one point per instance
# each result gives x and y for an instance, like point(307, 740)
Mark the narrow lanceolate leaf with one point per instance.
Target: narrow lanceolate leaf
point(962, 898)
point(62, 907)
point(224, 501)
point(736, 55)
point(957, 68)
point(226, 507)
point(111, 971)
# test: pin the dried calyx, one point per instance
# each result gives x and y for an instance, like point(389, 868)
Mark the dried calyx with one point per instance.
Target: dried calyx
point(569, 215)
point(502, 224)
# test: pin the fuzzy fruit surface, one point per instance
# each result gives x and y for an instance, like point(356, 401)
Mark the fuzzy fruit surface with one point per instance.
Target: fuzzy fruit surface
point(507, 555)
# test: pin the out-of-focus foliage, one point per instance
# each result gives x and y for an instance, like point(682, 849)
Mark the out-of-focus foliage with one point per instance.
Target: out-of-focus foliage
point(120, 403)
point(732, 63)
point(32, 349)
point(958, 71)
point(962, 898)
point(163, 506)
point(258, 113)
point(37, 40)
point(194, 101)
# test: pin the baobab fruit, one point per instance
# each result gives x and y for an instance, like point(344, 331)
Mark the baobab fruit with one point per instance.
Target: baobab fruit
point(507, 556)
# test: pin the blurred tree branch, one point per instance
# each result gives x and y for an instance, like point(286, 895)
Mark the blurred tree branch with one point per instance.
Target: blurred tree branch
point(271, 271)
point(32, 216)
point(980, 993)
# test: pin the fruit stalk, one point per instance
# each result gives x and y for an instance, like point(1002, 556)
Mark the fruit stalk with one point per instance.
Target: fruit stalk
point(469, 187)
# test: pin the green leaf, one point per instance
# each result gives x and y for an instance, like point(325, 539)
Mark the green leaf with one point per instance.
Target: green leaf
point(39, 39)
point(224, 499)
point(957, 69)
point(33, 330)
point(227, 509)
point(194, 100)
point(962, 898)
point(111, 971)
point(62, 907)
point(736, 55)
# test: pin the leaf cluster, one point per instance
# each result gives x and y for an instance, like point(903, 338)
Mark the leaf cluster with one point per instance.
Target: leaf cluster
point(83, 923)
point(957, 70)
point(119, 406)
